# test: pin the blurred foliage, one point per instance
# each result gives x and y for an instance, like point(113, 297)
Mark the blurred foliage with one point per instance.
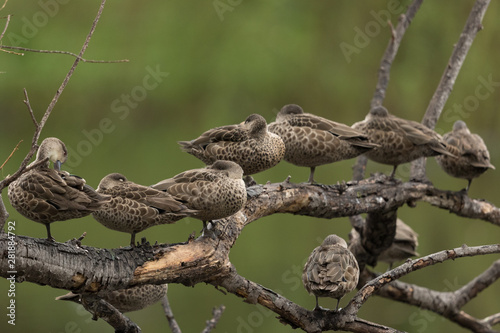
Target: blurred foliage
point(225, 60)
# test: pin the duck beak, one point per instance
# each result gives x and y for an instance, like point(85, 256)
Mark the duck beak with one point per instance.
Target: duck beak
point(57, 165)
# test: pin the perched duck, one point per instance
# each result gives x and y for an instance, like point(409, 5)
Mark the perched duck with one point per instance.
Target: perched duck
point(215, 192)
point(401, 141)
point(47, 195)
point(134, 208)
point(312, 141)
point(126, 300)
point(473, 157)
point(249, 144)
point(403, 246)
point(331, 270)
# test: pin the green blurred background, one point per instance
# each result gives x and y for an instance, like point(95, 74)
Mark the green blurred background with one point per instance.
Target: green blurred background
point(227, 59)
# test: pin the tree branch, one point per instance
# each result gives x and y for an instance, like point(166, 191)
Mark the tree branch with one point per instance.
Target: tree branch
point(436, 105)
point(446, 304)
point(206, 257)
point(6, 24)
point(170, 315)
point(391, 51)
point(62, 52)
point(380, 281)
point(12, 153)
point(293, 314)
point(102, 309)
point(216, 315)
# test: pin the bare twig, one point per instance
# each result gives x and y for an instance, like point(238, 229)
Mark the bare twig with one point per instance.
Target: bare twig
point(170, 315)
point(6, 24)
point(4, 4)
point(4, 214)
point(492, 320)
point(216, 315)
point(446, 304)
point(27, 102)
point(436, 105)
point(391, 51)
point(102, 309)
point(61, 52)
point(412, 265)
point(12, 153)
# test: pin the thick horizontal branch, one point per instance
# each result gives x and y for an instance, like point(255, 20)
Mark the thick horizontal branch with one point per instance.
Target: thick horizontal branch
point(206, 258)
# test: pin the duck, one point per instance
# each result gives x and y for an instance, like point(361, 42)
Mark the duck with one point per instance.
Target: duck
point(331, 270)
point(125, 300)
point(400, 140)
point(249, 144)
point(472, 156)
point(46, 195)
point(133, 208)
point(215, 192)
point(311, 140)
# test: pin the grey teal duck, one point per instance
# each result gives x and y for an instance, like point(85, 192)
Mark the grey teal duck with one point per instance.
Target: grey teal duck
point(126, 300)
point(215, 192)
point(312, 140)
point(331, 270)
point(47, 195)
point(249, 144)
point(134, 208)
point(401, 141)
point(403, 246)
point(473, 157)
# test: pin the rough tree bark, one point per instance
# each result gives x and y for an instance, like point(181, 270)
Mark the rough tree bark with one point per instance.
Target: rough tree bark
point(85, 269)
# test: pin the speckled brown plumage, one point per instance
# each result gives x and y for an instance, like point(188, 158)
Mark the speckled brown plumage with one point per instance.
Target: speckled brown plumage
point(126, 300)
point(401, 141)
point(249, 144)
point(473, 158)
point(46, 195)
point(312, 141)
point(331, 270)
point(134, 208)
point(216, 191)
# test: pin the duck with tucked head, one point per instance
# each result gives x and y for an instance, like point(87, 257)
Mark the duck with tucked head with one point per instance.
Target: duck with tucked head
point(46, 195)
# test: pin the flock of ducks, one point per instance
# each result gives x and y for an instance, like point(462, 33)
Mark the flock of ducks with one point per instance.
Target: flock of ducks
point(46, 195)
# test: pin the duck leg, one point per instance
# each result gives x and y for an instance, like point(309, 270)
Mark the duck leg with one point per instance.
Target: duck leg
point(311, 175)
point(49, 236)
